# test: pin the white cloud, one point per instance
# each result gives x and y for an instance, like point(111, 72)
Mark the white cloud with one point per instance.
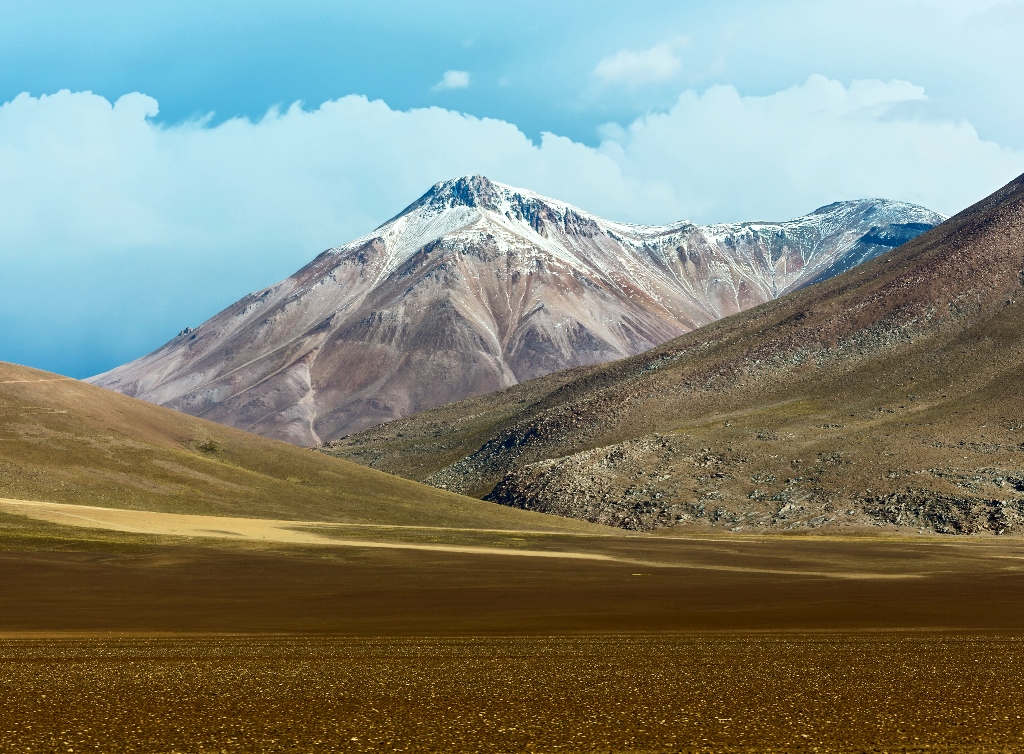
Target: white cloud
point(636, 67)
point(129, 230)
point(84, 174)
point(736, 157)
point(80, 171)
point(453, 80)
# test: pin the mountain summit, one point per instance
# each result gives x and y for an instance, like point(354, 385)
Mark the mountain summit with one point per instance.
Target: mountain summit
point(477, 286)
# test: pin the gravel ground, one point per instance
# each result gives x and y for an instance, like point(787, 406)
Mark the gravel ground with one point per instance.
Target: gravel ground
point(628, 693)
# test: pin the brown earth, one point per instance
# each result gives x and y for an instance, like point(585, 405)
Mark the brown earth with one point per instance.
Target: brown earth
point(120, 641)
point(702, 693)
point(888, 395)
point(58, 578)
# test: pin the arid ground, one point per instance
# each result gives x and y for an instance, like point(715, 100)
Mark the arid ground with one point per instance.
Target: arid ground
point(454, 641)
point(599, 693)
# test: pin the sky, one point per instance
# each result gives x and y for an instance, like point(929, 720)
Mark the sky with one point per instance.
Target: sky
point(161, 160)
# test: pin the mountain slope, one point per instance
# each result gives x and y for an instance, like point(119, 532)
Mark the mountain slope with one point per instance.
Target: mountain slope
point(478, 286)
point(888, 394)
point(65, 441)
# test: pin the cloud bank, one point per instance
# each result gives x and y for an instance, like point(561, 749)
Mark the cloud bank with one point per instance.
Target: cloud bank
point(117, 232)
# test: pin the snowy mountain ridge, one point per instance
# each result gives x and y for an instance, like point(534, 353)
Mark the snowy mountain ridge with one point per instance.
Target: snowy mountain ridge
point(477, 286)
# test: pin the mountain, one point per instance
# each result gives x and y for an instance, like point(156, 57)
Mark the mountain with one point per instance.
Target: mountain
point(68, 442)
point(887, 395)
point(478, 286)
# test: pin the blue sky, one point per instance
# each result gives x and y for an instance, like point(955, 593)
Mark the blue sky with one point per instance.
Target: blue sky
point(161, 160)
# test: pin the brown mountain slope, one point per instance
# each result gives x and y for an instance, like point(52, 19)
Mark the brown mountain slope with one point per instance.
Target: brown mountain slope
point(891, 393)
point(62, 440)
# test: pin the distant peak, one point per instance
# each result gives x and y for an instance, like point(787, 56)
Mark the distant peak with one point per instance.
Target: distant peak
point(864, 204)
point(851, 204)
point(881, 209)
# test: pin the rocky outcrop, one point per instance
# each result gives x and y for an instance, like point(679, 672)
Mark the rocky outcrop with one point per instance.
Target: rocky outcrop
point(661, 481)
point(947, 514)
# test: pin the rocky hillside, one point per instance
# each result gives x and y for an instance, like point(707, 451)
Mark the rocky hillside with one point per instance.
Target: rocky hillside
point(478, 286)
point(889, 395)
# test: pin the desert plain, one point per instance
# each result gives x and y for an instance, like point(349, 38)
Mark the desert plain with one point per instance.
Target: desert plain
point(132, 631)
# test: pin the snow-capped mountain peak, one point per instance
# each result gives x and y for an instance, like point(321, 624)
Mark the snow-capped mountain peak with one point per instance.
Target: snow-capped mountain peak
point(477, 285)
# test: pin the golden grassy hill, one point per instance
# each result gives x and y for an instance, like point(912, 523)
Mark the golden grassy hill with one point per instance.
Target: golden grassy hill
point(62, 440)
